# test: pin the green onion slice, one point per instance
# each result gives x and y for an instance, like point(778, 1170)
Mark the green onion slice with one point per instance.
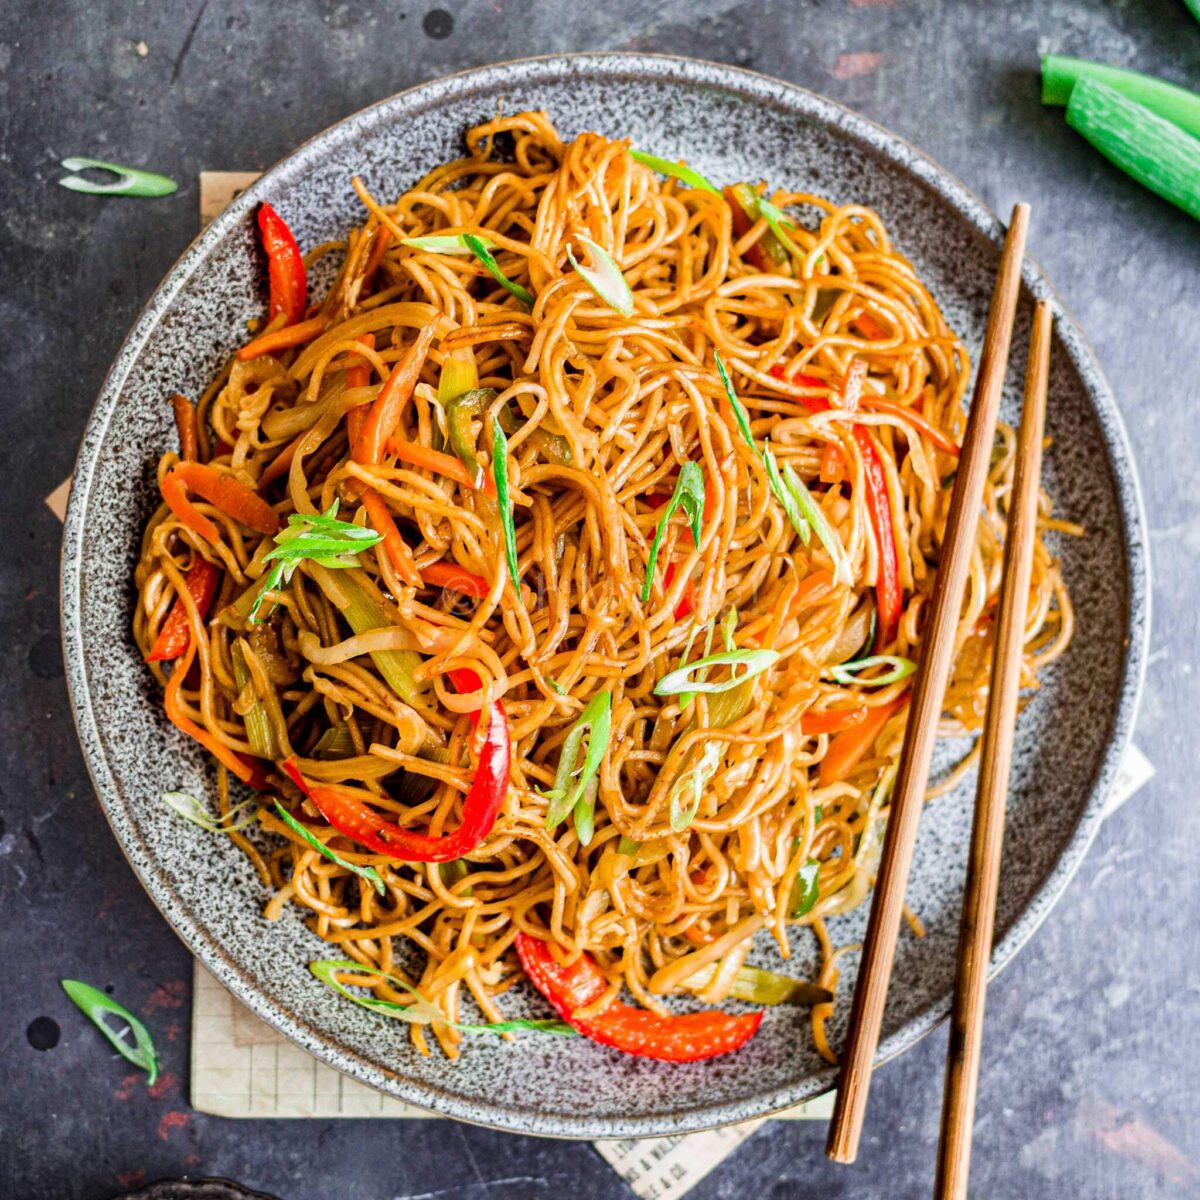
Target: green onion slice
point(676, 170)
point(190, 809)
point(847, 672)
point(812, 513)
point(367, 873)
point(756, 986)
point(446, 243)
point(689, 492)
point(503, 502)
point(555, 686)
point(754, 663)
point(479, 249)
point(421, 1011)
point(96, 1006)
point(604, 277)
point(777, 222)
point(1175, 104)
point(728, 628)
point(130, 181)
point(805, 891)
point(320, 538)
point(696, 777)
point(1159, 155)
point(571, 780)
point(739, 412)
point(628, 847)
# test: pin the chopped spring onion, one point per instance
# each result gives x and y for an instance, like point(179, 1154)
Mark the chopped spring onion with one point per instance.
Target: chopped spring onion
point(334, 743)
point(421, 1011)
point(367, 873)
point(805, 891)
point(754, 663)
point(320, 538)
point(446, 243)
point(729, 628)
point(1159, 155)
point(190, 809)
point(459, 375)
point(555, 686)
point(485, 256)
point(756, 986)
point(130, 181)
point(847, 672)
point(812, 513)
point(676, 170)
point(795, 514)
point(696, 778)
point(777, 222)
point(1175, 104)
point(571, 780)
point(689, 492)
point(96, 1005)
point(500, 475)
point(604, 277)
point(628, 846)
point(260, 733)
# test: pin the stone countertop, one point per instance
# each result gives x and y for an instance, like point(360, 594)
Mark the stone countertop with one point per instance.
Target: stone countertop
point(1091, 1076)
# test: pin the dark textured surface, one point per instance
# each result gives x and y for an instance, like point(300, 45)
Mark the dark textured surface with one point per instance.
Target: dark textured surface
point(1090, 1081)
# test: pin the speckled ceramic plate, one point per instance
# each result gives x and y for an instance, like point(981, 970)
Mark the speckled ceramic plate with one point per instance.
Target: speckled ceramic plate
point(730, 124)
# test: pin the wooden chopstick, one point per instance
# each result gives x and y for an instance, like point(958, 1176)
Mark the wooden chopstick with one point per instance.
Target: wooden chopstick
point(879, 946)
point(987, 830)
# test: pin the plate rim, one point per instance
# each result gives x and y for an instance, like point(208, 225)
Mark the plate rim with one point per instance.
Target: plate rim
point(669, 69)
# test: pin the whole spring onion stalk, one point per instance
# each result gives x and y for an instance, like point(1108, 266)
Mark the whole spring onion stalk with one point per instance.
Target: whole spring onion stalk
point(1159, 155)
point(1174, 104)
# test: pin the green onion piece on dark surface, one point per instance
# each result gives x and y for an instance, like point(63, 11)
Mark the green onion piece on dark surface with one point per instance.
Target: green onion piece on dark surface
point(1193, 8)
point(479, 249)
point(754, 663)
point(1175, 104)
point(604, 277)
point(446, 243)
point(500, 475)
point(688, 493)
point(190, 809)
point(367, 873)
point(805, 891)
point(847, 672)
point(96, 1006)
point(676, 170)
point(570, 779)
point(130, 181)
point(1159, 155)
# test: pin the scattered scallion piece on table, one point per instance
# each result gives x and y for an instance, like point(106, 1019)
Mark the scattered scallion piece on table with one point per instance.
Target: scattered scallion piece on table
point(603, 276)
point(1175, 104)
point(130, 181)
point(676, 170)
point(1159, 155)
point(96, 1006)
point(367, 873)
point(477, 247)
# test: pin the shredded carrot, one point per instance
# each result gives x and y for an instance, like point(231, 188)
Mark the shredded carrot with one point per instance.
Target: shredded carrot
point(383, 239)
point(396, 547)
point(869, 327)
point(282, 462)
point(811, 589)
point(455, 579)
point(283, 339)
point(914, 418)
point(393, 396)
point(358, 376)
point(832, 720)
point(232, 498)
point(185, 423)
point(851, 744)
point(833, 464)
point(417, 455)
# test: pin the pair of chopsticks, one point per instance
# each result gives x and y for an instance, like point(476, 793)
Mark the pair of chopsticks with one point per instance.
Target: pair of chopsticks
point(979, 906)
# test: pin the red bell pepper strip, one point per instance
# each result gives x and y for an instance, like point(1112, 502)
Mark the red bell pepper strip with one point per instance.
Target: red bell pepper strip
point(687, 1038)
point(687, 601)
point(889, 599)
point(454, 578)
point(175, 634)
point(357, 821)
point(768, 254)
point(285, 266)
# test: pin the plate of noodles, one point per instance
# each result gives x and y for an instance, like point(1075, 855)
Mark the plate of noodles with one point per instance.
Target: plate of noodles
point(495, 568)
